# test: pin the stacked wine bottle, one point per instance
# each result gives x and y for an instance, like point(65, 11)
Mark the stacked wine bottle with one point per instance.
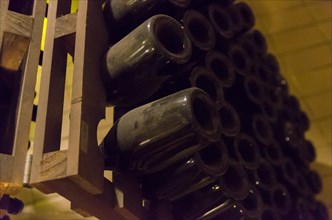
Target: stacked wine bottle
point(203, 114)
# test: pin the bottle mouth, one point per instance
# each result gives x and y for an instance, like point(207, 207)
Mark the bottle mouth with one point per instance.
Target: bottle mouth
point(239, 58)
point(265, 175)
point(205, 115)
point(254, 90)
point(273, 97)
point(236, 18)
point(281, 199)
point(199, 30)
point(214, 158)
point(272, 63)
point(289, 172)
point(221, 21)
point(249, 47)
point(252, 204)
point(202, 78)
point(246, 14)
point(273, 153)
point(265, 75)
point(230, 121)
point(315, 182)
point(270, 111)
point(235, 181)
point(302, 185)
point(321, 211)
point(221, 67)
point(259, 40)
point(262, 129)
point(247, 151)
point(172, 39)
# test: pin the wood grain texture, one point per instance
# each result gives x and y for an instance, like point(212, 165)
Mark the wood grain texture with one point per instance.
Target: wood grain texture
point(19, 24)
point(51, 98)
point(25, 106)
point(65, 25)
point(3, 13)
point(14, 48)
point(53, 165)
point(12, 166)
point(88, 98)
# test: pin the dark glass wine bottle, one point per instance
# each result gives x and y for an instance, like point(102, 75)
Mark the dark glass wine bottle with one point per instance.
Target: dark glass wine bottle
point(199, 77)
point(246, 151)
point(135, 67)
point(199, 31)
point(230, 121)
point(191, 174)
point(124, 15)
point(220, 65)
point(151, 137)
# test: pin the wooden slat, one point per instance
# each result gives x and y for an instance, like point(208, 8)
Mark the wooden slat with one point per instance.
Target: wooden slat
point(3, 12)
point(19, 24)
point(14, 48)
point(65, 25)
point(51, 98)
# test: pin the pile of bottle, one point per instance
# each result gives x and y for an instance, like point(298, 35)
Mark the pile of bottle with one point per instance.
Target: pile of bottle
point(203, 115)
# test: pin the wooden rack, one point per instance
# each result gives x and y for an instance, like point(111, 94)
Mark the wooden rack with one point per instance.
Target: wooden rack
point(78, 172)
point(20, 38)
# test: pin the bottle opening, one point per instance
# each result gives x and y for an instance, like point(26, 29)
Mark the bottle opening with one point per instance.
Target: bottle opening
point(259, 40)
point(272, 63)
point(250, 203)
point(221, 68)
point(246, 14)
point(220, 20)
point(249, 47)
point(212, 155)
point(202, 114)
point(233, 179)
point(248, 151)
point(273, 152)
point(169, 37)
point(289, 170)
point(206, 83)
point(262, 129)
point(281, 198)
point(199, 30)
point(239, 58)
point(254, 89)
point(235, 17)
point(309, 151)
point(228, 117)
point(265, 174)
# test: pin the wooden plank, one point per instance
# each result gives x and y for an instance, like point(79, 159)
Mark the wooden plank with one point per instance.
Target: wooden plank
point(3, 13)
point(19, 24)
point(49, 117)
point(65, 25)
point(87, 96)
point(14, 48)
point(24, 110)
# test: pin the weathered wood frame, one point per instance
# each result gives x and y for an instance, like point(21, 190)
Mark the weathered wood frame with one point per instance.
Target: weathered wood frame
point(77, 173)
point(12, 166)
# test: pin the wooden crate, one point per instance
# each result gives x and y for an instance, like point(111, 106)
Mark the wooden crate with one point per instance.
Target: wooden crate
point(78, 172)
point(20, 38)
